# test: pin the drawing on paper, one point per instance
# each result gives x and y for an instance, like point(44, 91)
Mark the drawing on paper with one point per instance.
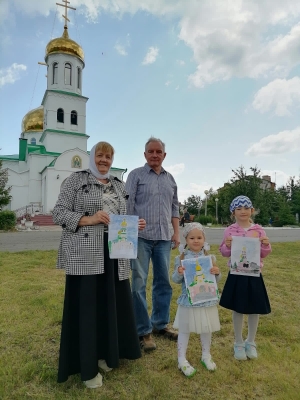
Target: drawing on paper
point(245, 256)
point(123, 236)
point(200, 283)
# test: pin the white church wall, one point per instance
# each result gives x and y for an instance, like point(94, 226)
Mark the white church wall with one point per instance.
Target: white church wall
point(19, 188)
point(33, 135)
point(54, 101)
point(52, 189)
point(61, 59)
point(13, 165)
point(23, 166)
point(36, 164)
point(117, 173)
point(64, 161)
point(60, 142)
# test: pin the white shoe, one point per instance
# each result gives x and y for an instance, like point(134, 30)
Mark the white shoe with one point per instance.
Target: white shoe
point(102, 364)
point(208, 363)
point(187, 369)
point(95, 382)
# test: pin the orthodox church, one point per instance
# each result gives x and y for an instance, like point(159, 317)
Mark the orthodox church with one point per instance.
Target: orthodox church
point(53, 142)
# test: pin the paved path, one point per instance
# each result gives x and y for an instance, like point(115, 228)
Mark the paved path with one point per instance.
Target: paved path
point(49, 239)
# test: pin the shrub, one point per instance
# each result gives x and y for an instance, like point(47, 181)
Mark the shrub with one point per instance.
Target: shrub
point(205, 219)
point(8, 220)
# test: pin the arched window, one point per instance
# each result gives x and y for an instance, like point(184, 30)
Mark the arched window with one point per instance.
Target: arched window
point(73, 117)
point(33, 141)
point(54, 72)
point(78, 78)
point(68, 74)
point(60, 115)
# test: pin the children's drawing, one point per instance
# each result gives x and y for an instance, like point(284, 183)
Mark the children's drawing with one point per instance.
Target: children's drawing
point(123, 236)
point(200, 283)
point(245, 256)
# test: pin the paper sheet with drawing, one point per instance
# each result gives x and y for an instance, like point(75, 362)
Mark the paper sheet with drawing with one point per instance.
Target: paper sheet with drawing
point(123, 236)
point(245, 256)
point(200, 283)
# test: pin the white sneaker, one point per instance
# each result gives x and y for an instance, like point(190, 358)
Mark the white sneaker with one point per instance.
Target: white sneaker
point(208, 363)
point(95, 382)
point(102, 364)
point(250, 349)
point(187, 369)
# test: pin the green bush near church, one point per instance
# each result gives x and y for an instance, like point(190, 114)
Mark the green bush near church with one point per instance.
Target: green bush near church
point(8, 220)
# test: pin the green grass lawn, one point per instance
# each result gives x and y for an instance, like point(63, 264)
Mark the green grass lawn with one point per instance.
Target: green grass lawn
point(31, 296)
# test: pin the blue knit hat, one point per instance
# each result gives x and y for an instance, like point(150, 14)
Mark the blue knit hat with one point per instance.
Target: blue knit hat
point(240, 201)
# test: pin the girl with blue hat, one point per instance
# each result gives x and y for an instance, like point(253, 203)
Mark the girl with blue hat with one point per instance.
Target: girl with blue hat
point(245, 294)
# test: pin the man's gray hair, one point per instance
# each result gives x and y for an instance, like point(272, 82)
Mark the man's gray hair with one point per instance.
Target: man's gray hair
point(153, 139)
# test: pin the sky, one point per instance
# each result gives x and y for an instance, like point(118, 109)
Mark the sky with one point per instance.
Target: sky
point(217, 81)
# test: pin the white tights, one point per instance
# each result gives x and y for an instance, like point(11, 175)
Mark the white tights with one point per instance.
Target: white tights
point(238, 326)
point(182, 343)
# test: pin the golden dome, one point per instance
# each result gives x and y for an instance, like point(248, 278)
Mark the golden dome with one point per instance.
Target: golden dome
point(64, 45)
point(33, 120)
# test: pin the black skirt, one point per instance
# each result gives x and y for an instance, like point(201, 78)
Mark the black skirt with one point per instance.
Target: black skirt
point(245, 295)
point(98, 323)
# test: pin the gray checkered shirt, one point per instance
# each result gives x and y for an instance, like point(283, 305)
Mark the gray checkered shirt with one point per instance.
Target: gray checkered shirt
point(81, 248)
point(154, 198)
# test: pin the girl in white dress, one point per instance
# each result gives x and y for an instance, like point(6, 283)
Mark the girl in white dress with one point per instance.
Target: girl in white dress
point(201, 318)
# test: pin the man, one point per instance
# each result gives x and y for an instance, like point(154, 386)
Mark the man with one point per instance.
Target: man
point(185, 217)
point(153, 196)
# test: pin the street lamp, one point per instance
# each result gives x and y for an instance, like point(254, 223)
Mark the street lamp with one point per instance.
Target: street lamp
point(216, 200)
point(199, 203)
point(206, 193)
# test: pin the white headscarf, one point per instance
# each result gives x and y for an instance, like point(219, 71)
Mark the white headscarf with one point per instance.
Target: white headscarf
point(189, 227)
point(194, 225)
point(93, 166)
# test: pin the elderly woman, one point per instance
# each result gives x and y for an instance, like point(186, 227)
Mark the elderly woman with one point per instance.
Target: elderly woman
point(98, 326)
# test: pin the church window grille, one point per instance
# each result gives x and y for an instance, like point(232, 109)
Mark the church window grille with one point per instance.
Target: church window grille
point(55, 71)
point(60, 115)
point(68, 74)
point(78, 78)
point(73, 117)
point(33, 141)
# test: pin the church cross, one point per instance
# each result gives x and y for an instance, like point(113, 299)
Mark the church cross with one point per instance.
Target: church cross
point(65, 16)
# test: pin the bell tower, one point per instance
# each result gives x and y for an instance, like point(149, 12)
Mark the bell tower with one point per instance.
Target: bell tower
point(64, 105)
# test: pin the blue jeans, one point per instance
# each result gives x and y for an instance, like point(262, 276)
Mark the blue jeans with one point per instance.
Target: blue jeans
point(159, 253)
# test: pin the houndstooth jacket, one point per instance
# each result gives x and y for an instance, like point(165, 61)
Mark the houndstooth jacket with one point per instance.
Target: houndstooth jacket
point(81, 248)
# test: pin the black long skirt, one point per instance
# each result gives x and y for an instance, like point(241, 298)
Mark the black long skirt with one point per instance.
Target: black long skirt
point(98, 323)
point(245, 295)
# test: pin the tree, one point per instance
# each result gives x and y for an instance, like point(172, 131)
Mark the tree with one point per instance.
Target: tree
point(193, 204)
point(5, 196)
point(241, 183)
point(291, 195)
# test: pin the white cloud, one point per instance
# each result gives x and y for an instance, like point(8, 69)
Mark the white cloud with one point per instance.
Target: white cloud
point(180, 62)
point(177, 87)
point(11, 74)
point(168, 83)
point(242, 38)
point(121, 49)
point(151, 56)
point(122, 45)
point(230, 40)
point(280, 95)
point(175, 169)
point(282, 142)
